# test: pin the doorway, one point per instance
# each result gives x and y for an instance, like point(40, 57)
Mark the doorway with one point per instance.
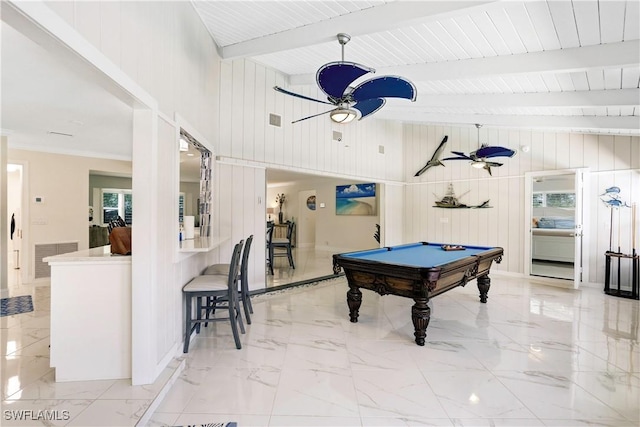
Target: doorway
point(17, 220)
point(555, 243)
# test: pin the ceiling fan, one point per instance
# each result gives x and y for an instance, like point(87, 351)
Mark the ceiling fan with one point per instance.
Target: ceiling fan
point(479, 158)
point(335, 78)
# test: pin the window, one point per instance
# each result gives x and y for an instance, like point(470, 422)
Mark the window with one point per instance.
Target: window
point(554, 200)
point(538, 200)
point(117, 202)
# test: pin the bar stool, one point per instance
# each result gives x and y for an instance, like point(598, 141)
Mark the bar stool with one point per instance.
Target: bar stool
point(243, 291)
point(221, 292)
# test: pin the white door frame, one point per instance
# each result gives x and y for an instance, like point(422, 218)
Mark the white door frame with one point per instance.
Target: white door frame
point(26, 273)
point(581, 249)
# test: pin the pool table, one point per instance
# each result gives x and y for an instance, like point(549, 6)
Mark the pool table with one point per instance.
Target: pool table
point(417, 270)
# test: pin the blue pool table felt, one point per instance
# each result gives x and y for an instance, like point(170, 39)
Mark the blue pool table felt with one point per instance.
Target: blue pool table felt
point(417, 254)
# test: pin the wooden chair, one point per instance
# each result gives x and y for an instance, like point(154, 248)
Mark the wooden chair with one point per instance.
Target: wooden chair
point(286, 244)
point(269, 238)
point(243, 291)
point(222, 292)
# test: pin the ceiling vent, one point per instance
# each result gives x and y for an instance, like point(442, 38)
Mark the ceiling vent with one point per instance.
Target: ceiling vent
point(275, 120)
point(381, 149)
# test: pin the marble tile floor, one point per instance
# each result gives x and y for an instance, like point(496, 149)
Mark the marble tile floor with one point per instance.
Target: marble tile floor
point(30, 395)
point(534, 355)
point(557, 270)
point(310, 263)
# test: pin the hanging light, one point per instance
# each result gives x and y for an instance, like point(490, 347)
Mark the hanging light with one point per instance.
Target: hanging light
point(478, 164)
point(343, 115)
point(478, 126)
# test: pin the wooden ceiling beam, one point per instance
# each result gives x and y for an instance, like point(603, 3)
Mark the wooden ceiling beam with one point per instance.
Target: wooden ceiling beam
point(611, 55)
point(379, 18)
point(577, 99)
point(626, 125)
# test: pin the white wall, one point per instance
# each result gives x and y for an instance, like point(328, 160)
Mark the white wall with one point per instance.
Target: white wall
point(165, 49)
point(162, 53)
point(392, 203)
point(14, 210)
point(340, 233)
point(162, 46)
point(239, 212)
point(4, 285)
point(62, 182)
point(248, 97)
point(613, 160)
point(170, 59)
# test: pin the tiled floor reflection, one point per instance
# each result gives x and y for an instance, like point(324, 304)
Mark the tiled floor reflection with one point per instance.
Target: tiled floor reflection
point(30, 395)
point(534, 355)
point(309, 262)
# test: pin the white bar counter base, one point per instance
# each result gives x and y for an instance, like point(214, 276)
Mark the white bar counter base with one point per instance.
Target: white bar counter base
point(91, 311)
point(90, 315)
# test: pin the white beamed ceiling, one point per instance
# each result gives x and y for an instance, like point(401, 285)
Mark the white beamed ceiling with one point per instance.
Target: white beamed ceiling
point(570, 65)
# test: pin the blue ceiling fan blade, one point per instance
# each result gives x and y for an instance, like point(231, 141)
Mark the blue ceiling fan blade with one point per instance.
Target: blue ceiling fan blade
point(458, 158)
point(385, 87)
point(369, 106)
point(279, 89)
point(310, 117)
point(494, 151)
point(335, 77)
point(461, 156)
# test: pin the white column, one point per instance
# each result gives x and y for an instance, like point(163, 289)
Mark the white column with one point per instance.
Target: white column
point(144, 269)
point(4, 218)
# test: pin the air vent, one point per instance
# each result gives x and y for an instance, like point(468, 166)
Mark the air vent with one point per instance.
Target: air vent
point(381, 149)
point(275, 120)
point(42, 269)
point(337, 136)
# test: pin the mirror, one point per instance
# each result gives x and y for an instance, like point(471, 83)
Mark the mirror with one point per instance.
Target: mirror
point(553, 207)
point(195, 186)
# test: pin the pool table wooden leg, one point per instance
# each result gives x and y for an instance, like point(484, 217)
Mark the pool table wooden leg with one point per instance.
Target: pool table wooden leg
point(420, 315)
point(484, 283)
point(354, 299)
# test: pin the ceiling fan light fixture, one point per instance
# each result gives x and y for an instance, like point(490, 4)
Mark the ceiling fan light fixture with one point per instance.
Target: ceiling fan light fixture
point(478, 165)
point(343, 115)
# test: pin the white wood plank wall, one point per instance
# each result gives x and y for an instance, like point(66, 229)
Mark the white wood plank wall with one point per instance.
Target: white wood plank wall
point(247, 98)
point(391, 217)
point(165, 49)
point(162, 46)
point(612, 160)
point(239, 205)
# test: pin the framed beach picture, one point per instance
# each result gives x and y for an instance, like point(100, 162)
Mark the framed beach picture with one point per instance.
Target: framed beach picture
point(356, 199)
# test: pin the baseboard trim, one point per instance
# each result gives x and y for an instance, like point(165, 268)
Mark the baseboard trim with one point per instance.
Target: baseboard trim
point(294, 284)
point(155, 403)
